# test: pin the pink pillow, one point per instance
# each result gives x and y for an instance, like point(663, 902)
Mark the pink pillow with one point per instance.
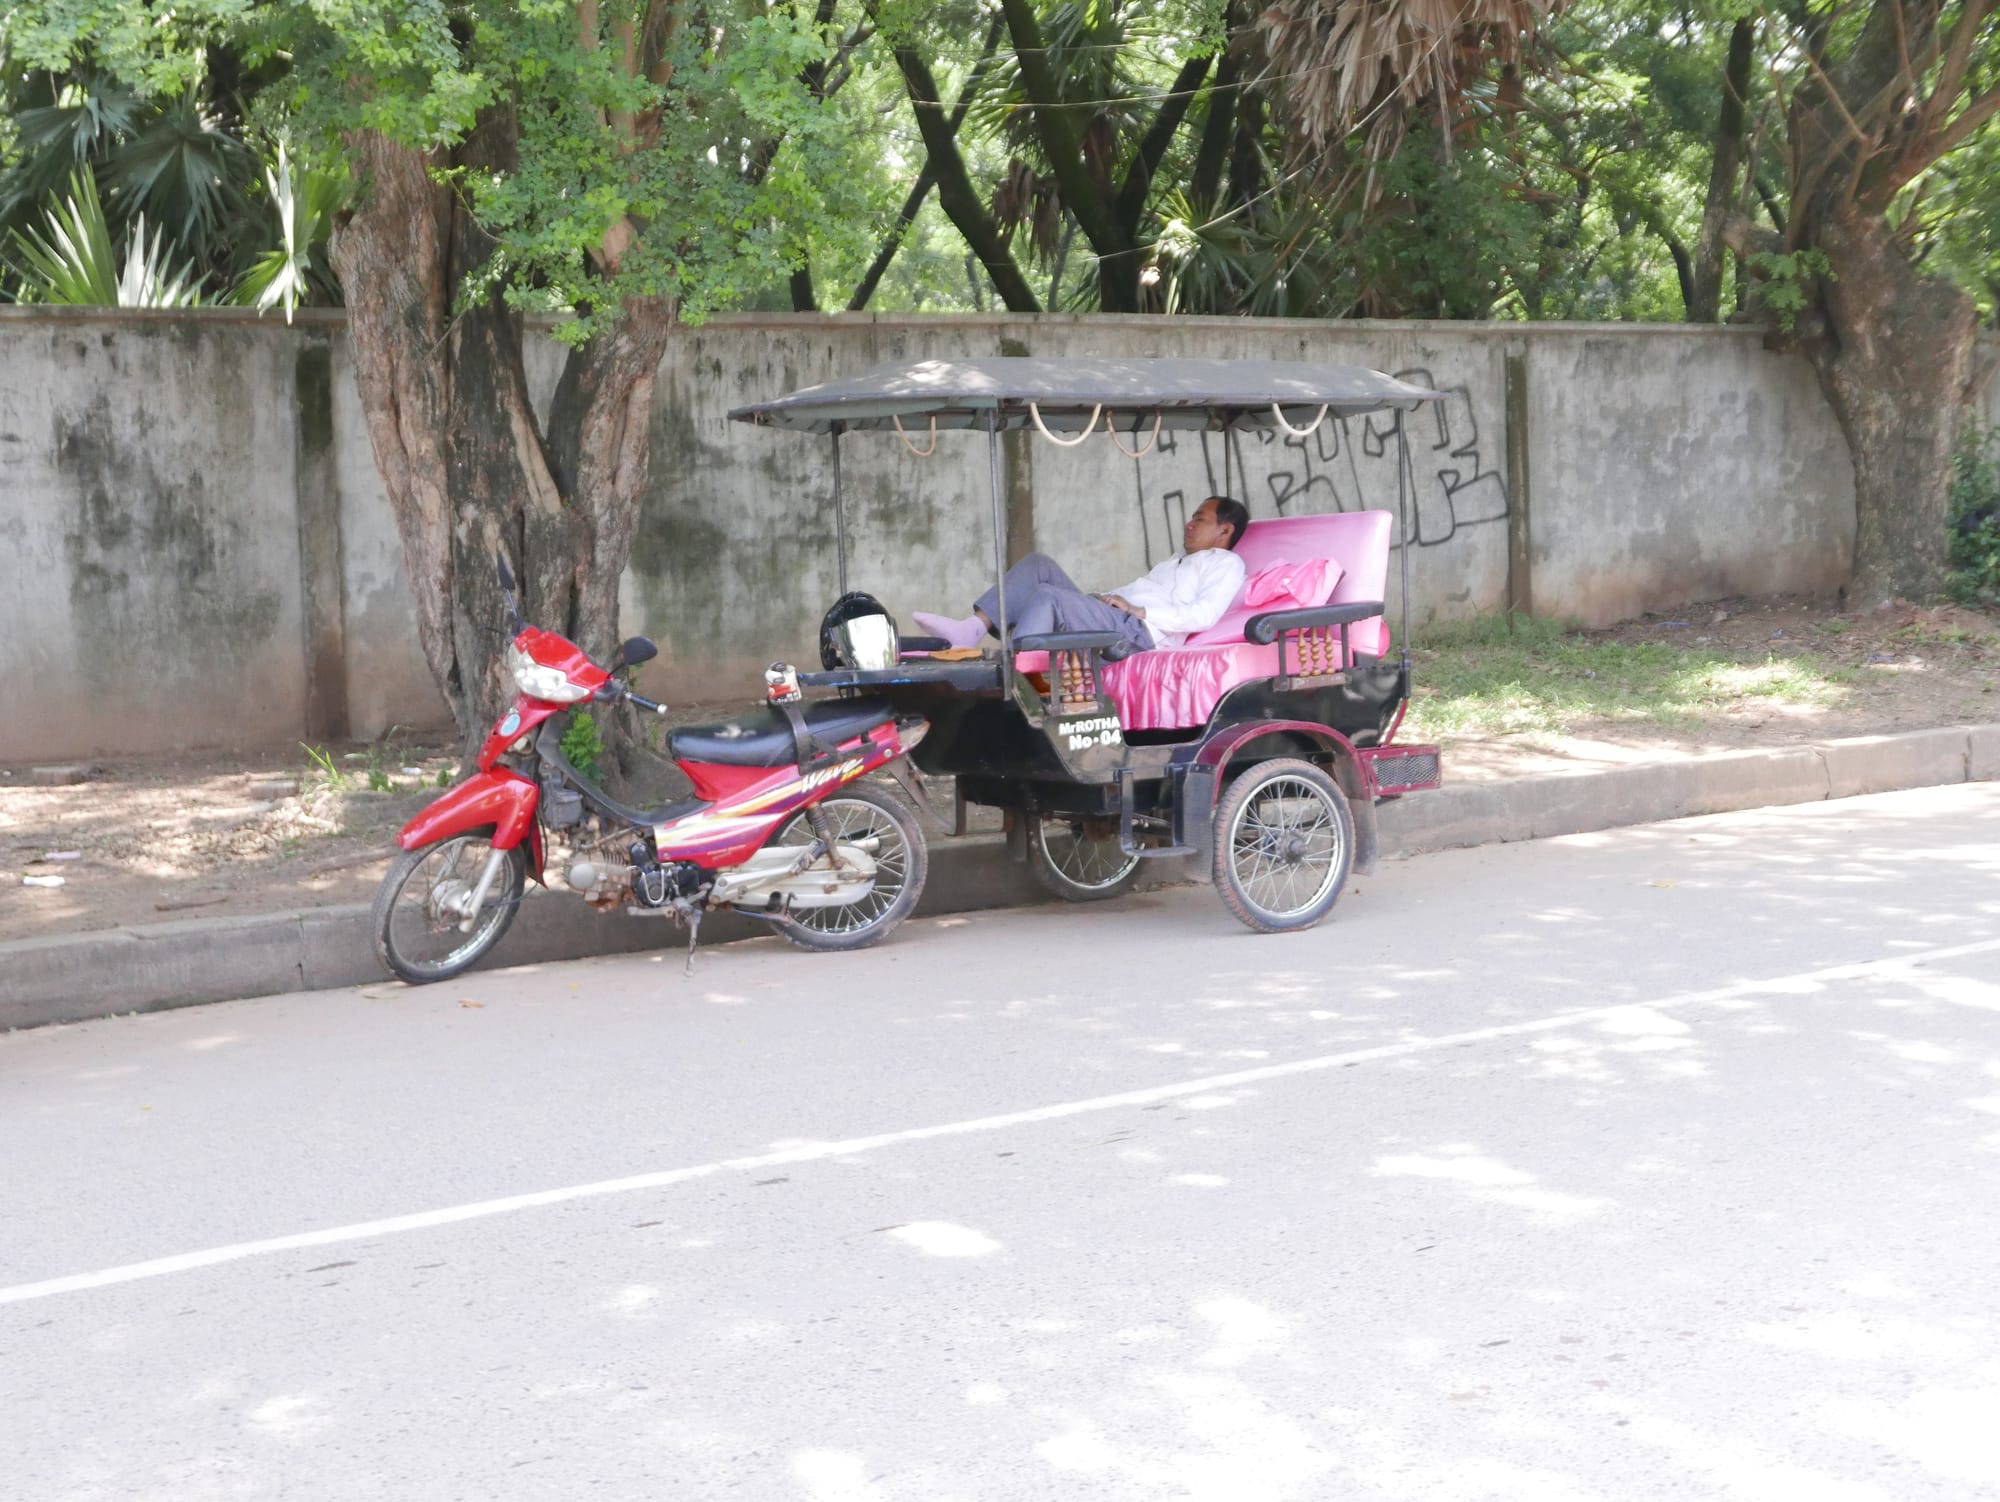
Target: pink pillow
point(1292, 586)
point(1277, 586)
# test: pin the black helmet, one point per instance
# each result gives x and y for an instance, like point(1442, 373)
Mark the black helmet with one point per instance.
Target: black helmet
point(840, 646)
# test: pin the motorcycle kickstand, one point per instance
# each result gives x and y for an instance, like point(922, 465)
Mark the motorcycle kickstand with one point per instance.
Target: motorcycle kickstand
point(694, 937)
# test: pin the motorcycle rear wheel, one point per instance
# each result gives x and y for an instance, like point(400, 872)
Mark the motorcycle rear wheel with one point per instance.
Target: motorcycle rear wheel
point(902, 861)
point(415, 938)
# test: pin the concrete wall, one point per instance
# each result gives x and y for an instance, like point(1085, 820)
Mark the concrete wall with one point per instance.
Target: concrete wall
point(204, 555)
point(150, 525)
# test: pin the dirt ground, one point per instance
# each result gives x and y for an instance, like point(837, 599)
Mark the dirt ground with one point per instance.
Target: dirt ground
point(212, 834)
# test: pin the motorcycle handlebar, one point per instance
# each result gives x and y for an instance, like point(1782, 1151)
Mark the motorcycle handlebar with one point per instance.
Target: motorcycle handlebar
point(613, 690)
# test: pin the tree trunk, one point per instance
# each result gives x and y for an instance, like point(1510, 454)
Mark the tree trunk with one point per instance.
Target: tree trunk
point(1246, 156)
point(1220, 122)
point(468, 470)
point(1702, 292)
point(1897, 366)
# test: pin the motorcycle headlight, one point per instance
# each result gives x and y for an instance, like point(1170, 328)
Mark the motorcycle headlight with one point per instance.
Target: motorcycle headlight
point(539, 682)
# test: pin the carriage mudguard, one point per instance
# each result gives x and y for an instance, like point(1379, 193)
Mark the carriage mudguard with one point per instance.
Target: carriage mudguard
point(1201, 784)
point(498, 799)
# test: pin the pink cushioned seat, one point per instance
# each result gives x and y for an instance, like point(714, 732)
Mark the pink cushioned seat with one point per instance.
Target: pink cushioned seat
point(1177, 688)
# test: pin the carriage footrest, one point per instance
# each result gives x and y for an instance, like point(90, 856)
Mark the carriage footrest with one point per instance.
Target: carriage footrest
point(1402, 769)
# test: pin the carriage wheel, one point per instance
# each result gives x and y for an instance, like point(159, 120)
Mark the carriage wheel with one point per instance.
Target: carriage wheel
point(1284, 843)
point(1080, 860)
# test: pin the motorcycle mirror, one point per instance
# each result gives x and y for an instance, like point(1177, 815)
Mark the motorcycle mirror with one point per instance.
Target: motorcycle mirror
point(637, 650)
point(506, 575)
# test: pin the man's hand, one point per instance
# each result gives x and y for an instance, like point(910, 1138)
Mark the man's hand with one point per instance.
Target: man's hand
point(1125, 605)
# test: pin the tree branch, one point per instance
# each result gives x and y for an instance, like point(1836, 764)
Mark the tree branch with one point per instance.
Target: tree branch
point(813, 78)
point(1974, 115)
point(663, 22)
point(627, 36)
point(1132, 193)
point(1118, 269)
point(956, 195)
point(927, 178)
point(1958, 58)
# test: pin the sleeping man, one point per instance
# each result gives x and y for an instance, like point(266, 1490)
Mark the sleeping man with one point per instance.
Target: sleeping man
point(1189, 592)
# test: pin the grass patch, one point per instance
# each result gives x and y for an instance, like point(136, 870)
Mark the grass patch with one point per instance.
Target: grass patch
point(1502, 676)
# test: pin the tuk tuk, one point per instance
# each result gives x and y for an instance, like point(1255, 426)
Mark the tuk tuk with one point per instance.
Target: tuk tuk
point(1258, 750)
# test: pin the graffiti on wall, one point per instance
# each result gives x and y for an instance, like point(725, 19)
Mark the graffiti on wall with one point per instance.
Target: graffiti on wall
point(1453, 477)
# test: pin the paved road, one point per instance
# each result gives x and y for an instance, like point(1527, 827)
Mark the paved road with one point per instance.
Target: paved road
point(1659, 1163)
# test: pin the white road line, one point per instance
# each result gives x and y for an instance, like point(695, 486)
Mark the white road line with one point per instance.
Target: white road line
point(817, 1152)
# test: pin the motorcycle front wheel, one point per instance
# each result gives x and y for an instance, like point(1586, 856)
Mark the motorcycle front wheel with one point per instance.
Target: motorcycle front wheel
point(872, 821)
point(417, 933)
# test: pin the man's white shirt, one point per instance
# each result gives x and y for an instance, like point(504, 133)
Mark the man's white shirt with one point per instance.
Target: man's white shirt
point(1189, 592)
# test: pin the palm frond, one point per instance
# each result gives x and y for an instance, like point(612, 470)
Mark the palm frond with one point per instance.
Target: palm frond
point(79, 122)
point(70, 260)
point(145, 281)
point(305, 204)
point(1337, 66)
point(184, 169)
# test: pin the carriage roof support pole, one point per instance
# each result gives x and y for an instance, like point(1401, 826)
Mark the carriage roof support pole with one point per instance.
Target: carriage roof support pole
point(999, 523)
point(1404, 484)
point(839, 508)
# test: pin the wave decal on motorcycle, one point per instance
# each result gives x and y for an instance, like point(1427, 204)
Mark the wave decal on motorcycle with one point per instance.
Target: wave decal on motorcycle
point(735, 821)
point(799, 786)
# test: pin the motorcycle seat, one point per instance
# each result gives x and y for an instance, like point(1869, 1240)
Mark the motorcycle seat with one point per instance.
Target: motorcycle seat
point(764, 739)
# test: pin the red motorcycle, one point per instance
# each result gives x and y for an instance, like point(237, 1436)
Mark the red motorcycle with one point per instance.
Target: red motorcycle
point(781, 827)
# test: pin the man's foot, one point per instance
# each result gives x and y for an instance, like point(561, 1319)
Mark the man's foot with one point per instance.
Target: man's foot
point(959, 633)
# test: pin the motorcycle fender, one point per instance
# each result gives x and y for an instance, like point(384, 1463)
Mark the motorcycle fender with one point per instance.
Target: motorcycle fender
point(498, 799)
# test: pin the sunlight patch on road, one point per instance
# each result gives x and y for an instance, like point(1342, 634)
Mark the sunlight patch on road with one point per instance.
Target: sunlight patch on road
point(1467, 1169)
point(292, 1415)
point(1242, 1330)
point(940, 1238)
point(634, 1300)
point(1641, 1022)
point(1492, 1181)
point(1853, 1336)
point(1949, 1433)
point(834, 1476)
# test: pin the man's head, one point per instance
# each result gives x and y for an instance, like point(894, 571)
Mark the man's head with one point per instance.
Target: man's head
point(1217, 523)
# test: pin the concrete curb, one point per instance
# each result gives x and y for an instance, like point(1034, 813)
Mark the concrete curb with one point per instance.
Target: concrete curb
point(1534, 808)
point(76, 977)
